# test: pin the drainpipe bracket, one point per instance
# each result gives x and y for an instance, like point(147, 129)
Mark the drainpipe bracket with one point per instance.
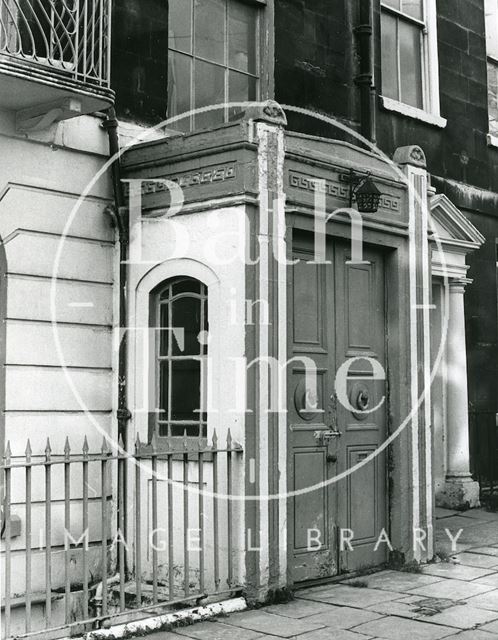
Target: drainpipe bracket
point(123, 414)
point(363, 29)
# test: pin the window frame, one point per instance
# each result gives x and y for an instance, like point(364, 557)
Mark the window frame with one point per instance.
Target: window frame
point(430, 111)
point(156, 359)
point(264, 63)
point(493, 61)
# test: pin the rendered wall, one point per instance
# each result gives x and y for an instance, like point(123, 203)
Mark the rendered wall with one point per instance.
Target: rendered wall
point(41, 178)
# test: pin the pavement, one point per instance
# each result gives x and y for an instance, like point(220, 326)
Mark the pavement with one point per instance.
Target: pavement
point(453, 598)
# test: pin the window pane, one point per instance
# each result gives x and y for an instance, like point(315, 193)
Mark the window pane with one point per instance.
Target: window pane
point(164, 333)
point(209, 90)
point(187, 316)
point(210, 36)
point(179, 77)
point(389, 60)
point(241, 88)
point(491, 8)
point(395, 4)
point(192, 430)
point(185, 390)
point(242, 37)
point(180, 25)
point(414, 8)
point(493, 97)
point(163, 391)
point(139, 59)
point(410, 55)
point(186, 285)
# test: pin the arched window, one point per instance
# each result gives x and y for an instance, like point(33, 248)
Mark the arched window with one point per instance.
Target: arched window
point(179, 313)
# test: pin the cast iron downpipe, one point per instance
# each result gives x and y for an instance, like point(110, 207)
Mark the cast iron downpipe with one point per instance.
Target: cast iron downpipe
point(364, 34)
point(120, 218)
point(119, 214)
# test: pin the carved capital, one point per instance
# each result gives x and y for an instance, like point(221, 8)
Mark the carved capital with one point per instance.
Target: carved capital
point(458, 285)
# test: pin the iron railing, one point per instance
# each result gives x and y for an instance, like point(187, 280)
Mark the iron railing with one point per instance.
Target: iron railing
point(484, 454)
point(95, 536)
point(72, 37)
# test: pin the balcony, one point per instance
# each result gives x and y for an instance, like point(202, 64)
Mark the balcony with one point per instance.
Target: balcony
point(54, 59)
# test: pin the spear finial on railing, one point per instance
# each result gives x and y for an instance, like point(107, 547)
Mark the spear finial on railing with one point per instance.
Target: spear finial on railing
point(48, 451)
point(215, 440)
point(138, 444)
point(67, 450)
point(8, 453)
point(121, 445)
point(167, 445)
point(28, 452)
point(153, 440)
point(86, 448)
point(105, 447)
point(185, 440)
point(229, 440)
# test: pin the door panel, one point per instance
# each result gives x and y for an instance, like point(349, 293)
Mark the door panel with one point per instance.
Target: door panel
point(337, 313)
point(310, 513)
point(361, 331)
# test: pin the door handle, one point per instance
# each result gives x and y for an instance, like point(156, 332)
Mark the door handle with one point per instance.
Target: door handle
point(323, 437)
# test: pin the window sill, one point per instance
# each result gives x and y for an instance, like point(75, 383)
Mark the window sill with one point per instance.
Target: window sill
point(413, 112)
point(492, 140)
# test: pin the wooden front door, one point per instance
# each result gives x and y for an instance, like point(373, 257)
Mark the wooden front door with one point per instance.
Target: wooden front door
point(337, 314)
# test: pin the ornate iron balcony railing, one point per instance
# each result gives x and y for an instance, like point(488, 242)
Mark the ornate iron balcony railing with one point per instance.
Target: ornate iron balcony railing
point(70, 37)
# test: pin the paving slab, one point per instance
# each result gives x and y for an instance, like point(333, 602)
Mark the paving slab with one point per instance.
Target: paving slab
point(332, 634)
point(298, 608)
point(268, 623)
point(344, 617)
point(490, 551)
point(476, 535)
point(463, 616)
point(480, 514)
point(461, 522)
point(452, 589)
point(475, 634)
point(215, 631)
point(444, 513)
point(492, 627)
point(487, 600)
point(164, 635)
point(353, 596)
point(399, 581)
point(473, 559)
point(394, 628)
point(455, 571)
point(396, 608)
point(491, 580)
